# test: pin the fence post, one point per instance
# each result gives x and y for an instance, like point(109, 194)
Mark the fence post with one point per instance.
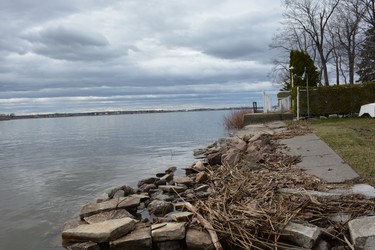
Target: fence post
point(298, 103)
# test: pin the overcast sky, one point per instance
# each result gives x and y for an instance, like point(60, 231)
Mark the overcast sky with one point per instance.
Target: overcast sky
point(85, 55)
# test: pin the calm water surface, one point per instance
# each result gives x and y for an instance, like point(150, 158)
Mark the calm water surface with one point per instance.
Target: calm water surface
point(49, 168)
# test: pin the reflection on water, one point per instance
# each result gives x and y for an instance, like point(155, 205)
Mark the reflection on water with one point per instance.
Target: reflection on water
point(50, 167)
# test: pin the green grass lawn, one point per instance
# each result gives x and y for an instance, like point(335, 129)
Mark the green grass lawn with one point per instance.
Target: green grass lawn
point(353, 139)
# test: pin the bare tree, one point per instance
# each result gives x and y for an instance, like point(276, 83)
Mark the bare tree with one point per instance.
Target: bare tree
point(289, 38)
point(313, 17)
point(347, 31)
point(369, 12)
point(344, 38)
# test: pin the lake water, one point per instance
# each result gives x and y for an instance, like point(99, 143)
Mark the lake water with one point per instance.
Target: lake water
point(49, 168)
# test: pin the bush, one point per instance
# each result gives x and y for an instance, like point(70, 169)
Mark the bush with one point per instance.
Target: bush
point(235, 119)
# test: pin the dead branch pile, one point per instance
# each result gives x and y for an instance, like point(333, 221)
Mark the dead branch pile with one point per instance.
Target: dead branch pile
point(246, 209)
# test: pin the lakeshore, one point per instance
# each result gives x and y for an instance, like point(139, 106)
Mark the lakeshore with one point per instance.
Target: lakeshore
point(244, 192)
point(118, 112)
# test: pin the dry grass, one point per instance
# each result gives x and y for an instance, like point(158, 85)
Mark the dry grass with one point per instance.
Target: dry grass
point(353, 139)
point(247, 211)
point(235, 119)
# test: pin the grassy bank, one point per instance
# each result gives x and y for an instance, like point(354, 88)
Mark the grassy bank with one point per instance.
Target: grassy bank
point(353, 139)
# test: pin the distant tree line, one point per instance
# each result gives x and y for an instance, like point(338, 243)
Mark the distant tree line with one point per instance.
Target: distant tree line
point(337, 35)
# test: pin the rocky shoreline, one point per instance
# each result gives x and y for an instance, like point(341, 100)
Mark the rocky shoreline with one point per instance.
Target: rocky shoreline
point(242, 192)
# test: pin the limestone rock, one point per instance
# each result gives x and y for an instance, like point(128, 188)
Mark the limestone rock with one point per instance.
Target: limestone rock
point(232, 157)
point(142, 196)
point(199, 166)
point(162, 197)
point(341, 218)
point(254, 138)
point(186, 180)
point(138, 239)
point(168, 231)
point(84, 246)
point(171, 170)
point(168, 245)
point(73, 223)
point(172, 189)
point(201, 177)
point(95, 208)
point(150, 180)
point(160, 208)
point(100, 232)
point(198, 240)
point(127, 191)
point(167, 178)
point(364, 189)
point(322, 245)
point(160, 175)
point(190, 171)
point(119, 193)
point(251, 149)
point(109, 215)
point(240, 145)
point(181, 216)
point(147, 187)
point(362, 232)
point(214, 158)
point(303, 235)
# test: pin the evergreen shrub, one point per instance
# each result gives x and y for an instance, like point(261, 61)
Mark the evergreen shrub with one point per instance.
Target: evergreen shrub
point(337, 99)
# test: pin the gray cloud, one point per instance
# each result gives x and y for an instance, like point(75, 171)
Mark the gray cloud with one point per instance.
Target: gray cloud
point(118, 52)
point(71, 44)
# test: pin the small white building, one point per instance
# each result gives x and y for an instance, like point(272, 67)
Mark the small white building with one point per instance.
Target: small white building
point(368, 109)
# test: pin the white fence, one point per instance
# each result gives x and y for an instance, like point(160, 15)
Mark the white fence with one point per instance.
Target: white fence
point(267, 103)
point(284, 104)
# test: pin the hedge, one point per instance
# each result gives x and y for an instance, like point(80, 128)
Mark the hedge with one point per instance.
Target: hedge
point(338, 99)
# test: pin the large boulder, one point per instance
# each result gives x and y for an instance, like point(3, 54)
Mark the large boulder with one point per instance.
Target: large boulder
point(151, 180)
point(118, 203)
point(214, 158)
point(168, 231)
point(201, 177)
point(109, 215)
point(304, 235)
point(362, 232)
point(160, 208)
point(100, 232)
point(140, 238)
point(198, 240)
point(126, 190)
point(172, 188)
point(199, 166)
point(232, 157)
point(185, 180)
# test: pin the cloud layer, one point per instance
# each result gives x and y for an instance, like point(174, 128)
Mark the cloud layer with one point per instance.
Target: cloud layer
point(68, 56)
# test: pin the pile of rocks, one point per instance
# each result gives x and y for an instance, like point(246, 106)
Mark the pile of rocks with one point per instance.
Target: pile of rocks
point(155, 215)
point(151, 216)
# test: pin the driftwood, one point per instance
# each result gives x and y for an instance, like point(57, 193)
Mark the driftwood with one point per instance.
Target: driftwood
point(247, 211)
point(206, 224)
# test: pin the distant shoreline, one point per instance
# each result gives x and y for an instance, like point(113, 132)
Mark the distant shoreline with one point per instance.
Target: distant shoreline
point(101, 113)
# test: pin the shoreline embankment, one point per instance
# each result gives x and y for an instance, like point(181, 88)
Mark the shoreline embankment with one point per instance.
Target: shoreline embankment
point(242, 192)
